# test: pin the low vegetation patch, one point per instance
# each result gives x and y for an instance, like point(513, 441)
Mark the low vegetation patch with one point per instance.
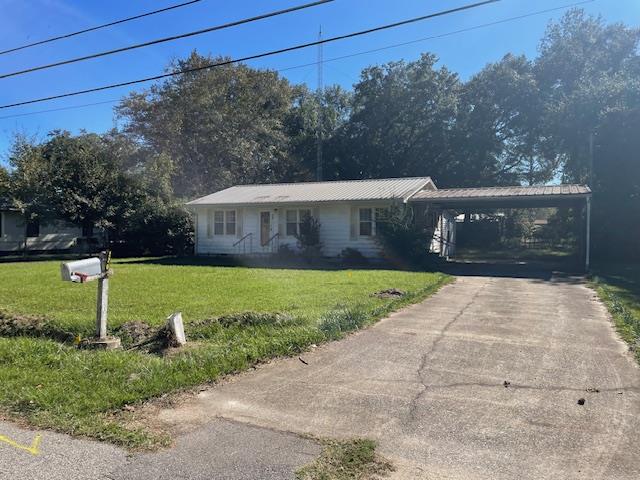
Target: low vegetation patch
point(14, 325)
point(235, 318)
point(618, 286)
point(347, 460)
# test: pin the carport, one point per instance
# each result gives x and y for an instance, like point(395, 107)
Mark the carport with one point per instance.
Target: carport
point(473, 199)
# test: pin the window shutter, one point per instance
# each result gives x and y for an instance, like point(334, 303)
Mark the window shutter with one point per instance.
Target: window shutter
point(209, 214)
point(354, 223)
point(239, 223)
point(282, 218)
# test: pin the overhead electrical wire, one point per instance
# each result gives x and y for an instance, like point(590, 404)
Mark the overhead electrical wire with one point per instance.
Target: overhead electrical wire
point(168, 39)
point(99, 27)
point(342, 57)
point(253, 57)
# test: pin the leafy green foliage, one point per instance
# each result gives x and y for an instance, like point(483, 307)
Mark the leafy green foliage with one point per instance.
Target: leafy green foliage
point(405, 241)
point(220, 127)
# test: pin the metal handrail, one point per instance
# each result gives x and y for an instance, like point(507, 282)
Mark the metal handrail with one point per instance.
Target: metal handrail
point(242, 239)
point(271, 239)
point(244, 243)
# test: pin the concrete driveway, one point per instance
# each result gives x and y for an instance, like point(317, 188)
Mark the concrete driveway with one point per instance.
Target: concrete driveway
point(429, 384)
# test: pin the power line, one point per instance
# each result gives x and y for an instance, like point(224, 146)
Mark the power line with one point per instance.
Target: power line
point(351, 55)
point(70, 107)
point(98, 27)
point(443, 35)
point(168, 39)
point(252, 57)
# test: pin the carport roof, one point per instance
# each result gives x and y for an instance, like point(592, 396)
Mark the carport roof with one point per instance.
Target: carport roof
point(452, 194)
point(505, 197)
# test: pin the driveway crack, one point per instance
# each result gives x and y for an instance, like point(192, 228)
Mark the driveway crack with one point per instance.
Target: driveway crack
point(428, 355)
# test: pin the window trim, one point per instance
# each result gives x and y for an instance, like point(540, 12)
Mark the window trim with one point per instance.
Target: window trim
point(227, 213)
point(371, 222)
point(300, 212)
point(212, 231)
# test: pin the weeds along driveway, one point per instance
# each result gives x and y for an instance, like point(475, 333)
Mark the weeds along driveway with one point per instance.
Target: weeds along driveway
point(480, 381)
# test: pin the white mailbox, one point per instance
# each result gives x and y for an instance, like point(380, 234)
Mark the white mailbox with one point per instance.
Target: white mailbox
point(81, 271)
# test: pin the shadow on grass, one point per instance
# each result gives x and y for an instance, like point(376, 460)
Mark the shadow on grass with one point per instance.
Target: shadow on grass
point(276, 262)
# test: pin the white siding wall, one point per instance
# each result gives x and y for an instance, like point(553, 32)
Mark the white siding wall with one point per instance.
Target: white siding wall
point(335, 230)
point(53, 236)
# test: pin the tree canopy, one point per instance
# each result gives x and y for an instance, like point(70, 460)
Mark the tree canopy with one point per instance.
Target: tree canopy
point(571, 114)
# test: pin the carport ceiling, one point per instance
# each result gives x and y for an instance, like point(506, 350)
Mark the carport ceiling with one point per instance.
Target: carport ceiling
point(506, 197)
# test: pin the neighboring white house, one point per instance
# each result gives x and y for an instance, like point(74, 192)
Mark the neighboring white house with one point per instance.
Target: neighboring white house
point(253, 219)
point(16, 235)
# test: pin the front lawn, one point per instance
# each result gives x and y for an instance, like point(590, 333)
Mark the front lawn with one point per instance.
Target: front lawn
point(55, 385)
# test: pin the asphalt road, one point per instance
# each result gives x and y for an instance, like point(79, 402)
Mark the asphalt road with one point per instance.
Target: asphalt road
point(428, 383)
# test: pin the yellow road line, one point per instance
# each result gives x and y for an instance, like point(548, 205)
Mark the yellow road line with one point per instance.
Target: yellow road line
point(33, 449)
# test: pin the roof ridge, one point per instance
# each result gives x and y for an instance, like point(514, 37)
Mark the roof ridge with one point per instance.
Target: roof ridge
point(330, 181)
point(515, 186)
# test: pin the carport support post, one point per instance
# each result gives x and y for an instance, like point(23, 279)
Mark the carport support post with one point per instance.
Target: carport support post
point(588, 236)
point(103, 298)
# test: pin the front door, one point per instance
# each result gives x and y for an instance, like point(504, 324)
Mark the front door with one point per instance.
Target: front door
point(265, 227)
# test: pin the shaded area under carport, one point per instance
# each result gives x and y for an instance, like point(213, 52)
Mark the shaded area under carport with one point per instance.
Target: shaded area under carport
point(514, 197)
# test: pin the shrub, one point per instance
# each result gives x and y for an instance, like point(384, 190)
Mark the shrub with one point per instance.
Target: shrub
point(309, 237)
point(402, 240)
point(156, 229)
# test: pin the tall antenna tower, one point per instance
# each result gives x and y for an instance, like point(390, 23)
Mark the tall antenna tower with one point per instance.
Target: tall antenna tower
point(320, 115)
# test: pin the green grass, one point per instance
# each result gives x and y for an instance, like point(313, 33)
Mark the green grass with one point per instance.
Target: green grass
point(346, 460)
point(55, 385)
point(618, 286)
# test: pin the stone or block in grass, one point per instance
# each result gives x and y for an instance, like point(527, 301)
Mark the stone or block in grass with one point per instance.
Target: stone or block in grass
point(176, 327)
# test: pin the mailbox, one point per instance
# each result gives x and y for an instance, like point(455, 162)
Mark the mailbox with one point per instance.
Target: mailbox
point(81, 271)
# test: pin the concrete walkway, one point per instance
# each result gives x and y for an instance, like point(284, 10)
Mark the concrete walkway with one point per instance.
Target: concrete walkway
point(428, 383)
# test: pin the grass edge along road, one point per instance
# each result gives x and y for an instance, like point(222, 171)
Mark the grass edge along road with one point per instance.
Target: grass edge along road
point(54, 385)
point(618, 287)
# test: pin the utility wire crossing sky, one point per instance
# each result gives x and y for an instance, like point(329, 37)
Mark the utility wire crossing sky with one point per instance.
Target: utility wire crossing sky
point(38, 30)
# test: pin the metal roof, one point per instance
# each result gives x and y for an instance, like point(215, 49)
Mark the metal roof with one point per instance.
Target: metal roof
point(500, 193)
point(315, 192)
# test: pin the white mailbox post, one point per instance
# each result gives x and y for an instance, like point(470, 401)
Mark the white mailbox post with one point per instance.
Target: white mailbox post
point(87, 270)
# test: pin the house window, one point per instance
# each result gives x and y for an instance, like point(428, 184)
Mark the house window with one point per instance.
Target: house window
point(293, 219)
point(366, 222)
point(292, 223)
point(230, 222)
point(218, 223)
point(33, 228)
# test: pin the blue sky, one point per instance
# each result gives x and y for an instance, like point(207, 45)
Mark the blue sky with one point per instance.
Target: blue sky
point(27, 21)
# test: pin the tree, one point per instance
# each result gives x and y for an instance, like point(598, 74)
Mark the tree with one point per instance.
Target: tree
point(333, 106)
point(498, 135)
point(401, 120)
point(221, 126)
point(590, 72)
point(5, 185)
point(78, 179)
